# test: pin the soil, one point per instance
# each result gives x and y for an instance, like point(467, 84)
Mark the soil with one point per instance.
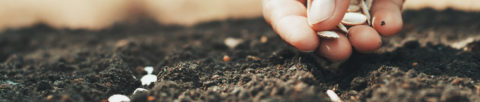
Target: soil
point(40, 63)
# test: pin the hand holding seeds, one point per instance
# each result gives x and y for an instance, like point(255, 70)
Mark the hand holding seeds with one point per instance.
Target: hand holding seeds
point(332, 27)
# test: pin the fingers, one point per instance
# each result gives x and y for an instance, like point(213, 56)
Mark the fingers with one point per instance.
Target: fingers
point(335, 49)
point(326, 14)
point(287, 18)
point(295, 31)
point(274, 10)
point(387, 18)
point(364, 38)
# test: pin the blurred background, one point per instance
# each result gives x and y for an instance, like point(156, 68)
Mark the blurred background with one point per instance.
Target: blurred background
point(98, 14)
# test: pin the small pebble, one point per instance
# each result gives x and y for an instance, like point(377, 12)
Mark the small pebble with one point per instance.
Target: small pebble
point(456, 81)
point(226, 58)
point(118, 98)
point(414, 64)
point(263, 39)
point(49, 97)
point(150, 98)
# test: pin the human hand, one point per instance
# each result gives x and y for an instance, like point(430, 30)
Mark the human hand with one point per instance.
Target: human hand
point(289, 19)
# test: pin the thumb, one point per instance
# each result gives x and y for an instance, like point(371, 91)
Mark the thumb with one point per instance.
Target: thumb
point(326, 14)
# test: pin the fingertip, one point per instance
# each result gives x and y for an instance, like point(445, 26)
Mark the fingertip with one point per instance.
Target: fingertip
point(335, 49)
point(364, 38)
point(341, 7)
point(295, 31)
point(387, 18)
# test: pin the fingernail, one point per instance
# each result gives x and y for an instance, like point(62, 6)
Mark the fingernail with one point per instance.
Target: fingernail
point(319, 10)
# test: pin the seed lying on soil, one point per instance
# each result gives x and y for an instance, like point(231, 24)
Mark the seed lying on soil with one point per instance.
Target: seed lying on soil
point(354, 19)
point(333, 96)
point(139, 90)
point(118, 98)
point(232, 42)
point(328, 34)
point(149, 78)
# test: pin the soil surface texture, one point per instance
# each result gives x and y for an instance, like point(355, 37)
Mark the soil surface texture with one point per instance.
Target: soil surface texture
point(435, 58)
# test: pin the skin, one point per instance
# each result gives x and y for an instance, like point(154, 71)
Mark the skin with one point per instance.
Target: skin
point(288, 19)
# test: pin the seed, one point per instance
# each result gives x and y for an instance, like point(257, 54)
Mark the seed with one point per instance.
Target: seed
point(232, 42)
point(353, 8)
point(328, 34)
point(365, 10)
point(118, 98)
point(342, 27)
point(140, 90)
point(226, 58)
point(148, 79)
point(333, 96)
point(354, 19)
point(149, 69)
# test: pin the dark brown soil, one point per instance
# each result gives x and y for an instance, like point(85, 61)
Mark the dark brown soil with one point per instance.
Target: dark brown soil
point(44, 64)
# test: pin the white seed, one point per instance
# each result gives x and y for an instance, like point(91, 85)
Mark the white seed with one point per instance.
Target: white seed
point(148, 79)
point(139, 90)
point(333, 96)
point(365, 11)
point(354, 19)
point(353, 8)
point(148, 69)
point(328, 34)
point(118, 98)
point(342, 27)
point(232, 42)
